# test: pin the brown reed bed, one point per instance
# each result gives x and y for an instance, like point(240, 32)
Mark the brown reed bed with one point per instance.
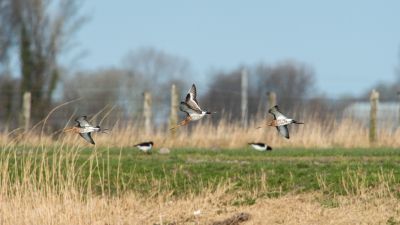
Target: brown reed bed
point(348, 133)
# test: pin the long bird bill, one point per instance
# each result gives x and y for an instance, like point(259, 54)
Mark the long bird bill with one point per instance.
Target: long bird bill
point(68, 130)
point(263, 126)
point(175, 127)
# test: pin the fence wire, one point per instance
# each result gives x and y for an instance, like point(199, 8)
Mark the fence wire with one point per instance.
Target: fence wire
point(128, 111)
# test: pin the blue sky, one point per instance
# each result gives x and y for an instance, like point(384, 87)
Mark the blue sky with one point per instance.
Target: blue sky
point(351, 45)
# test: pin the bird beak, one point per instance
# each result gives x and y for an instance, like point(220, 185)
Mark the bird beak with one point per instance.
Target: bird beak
point(154, 146)
point(68, 130)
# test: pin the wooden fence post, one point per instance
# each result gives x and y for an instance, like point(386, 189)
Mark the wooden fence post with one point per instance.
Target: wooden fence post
point(373, 121)
point(173, 117)
point(244, 98)
point(26, 106)
point(271, 103)
point(147, 112)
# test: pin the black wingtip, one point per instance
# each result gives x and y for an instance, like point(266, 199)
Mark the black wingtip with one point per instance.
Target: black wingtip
point(92, 142)
point(269, 148)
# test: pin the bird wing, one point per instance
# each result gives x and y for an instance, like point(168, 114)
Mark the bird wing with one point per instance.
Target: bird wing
point(191, 99)
point(185, 107)
point(142, 144)
point(260, 144)
point(87, 137)
point(283, 130)
point(277, 114)
point(82, 121)
point(191, 95)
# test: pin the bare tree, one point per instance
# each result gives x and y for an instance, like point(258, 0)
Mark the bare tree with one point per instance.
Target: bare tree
point(291, 81)
point(155, 71)
point(8, 31)
point(224, 94)
point(155, 67)
point(99, 89)
point(8, 87)
point(43, 32)
point(145, 70)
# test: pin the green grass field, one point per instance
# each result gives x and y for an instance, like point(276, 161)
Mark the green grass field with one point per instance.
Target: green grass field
point(249, 173)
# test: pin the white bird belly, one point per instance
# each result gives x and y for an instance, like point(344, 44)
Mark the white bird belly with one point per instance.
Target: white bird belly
point(88, 129)
point(259, 148)
point(144, 148)
point(284, 122)
point(197, 117)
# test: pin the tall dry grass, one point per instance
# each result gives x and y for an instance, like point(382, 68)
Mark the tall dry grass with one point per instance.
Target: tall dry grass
point(46, 188)
point(315, 133)
point(46, 185)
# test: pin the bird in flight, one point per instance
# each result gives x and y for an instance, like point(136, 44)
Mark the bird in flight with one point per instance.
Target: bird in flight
point(145, 146)
point(84, 129)
point(280, 121)
point(260, 146)
point(191, 107)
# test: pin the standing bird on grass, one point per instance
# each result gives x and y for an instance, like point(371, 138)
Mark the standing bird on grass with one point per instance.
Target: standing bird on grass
point(191, 108)
point(145, 146)
point(260, 146)
point(280, 121)
point(84, 129)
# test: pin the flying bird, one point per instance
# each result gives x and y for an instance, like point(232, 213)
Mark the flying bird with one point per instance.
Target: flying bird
point(280, 121)
point(145, 146)
point(191, 108)
point(84, 129)
point(260, 146)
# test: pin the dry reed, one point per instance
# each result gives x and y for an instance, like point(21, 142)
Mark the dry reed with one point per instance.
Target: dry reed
point(348, 133)
point(27, 202)
point(42, 188)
